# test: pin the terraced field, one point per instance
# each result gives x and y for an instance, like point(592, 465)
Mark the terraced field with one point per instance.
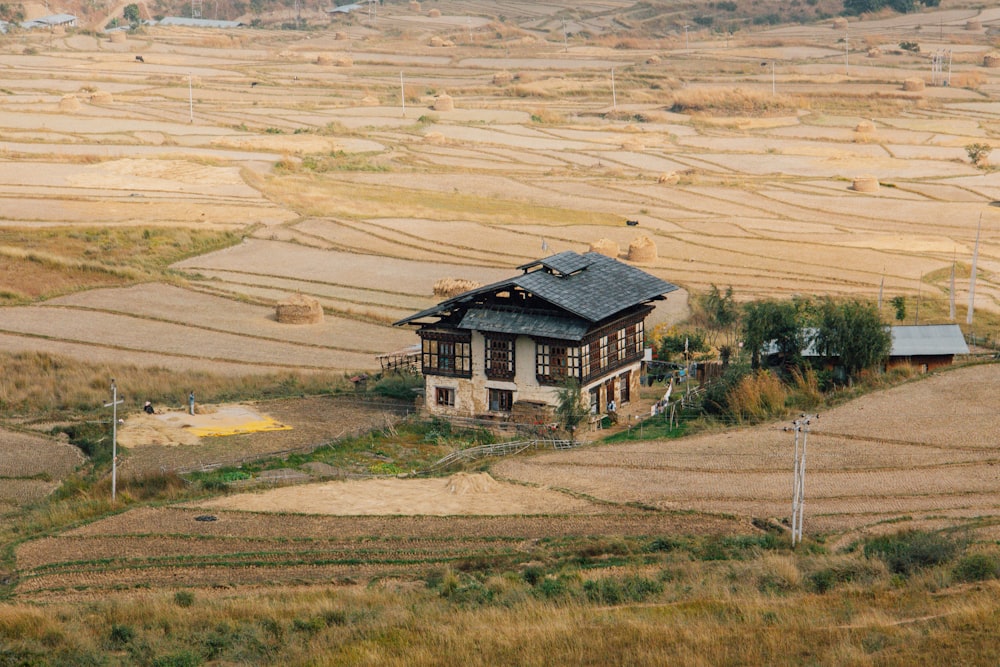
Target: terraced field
point(326, 153)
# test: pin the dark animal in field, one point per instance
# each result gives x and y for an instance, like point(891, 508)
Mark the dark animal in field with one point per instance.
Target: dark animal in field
point(139, 59)
point(631, 223)
point(253, 83)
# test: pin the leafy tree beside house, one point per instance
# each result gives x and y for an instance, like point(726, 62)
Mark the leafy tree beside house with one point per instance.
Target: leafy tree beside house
point(853, 332)
point(772, 322)
point(570, 408)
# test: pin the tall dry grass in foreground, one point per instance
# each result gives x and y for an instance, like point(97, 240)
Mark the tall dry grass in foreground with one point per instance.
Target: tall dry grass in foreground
point(729, 624)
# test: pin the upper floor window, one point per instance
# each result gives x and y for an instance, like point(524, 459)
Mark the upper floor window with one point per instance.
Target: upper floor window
point(500, 357)
point(446, 354)
point(555, 362)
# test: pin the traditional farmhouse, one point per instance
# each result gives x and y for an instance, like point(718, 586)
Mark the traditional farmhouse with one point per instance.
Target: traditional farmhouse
point(508, 347)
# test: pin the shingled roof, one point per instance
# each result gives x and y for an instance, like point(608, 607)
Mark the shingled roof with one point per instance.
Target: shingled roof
point(590, 286)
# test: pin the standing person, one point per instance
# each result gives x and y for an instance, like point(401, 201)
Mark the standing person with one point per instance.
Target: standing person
point(191, 402)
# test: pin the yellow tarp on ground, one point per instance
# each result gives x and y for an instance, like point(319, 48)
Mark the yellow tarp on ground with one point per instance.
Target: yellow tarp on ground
point(254, 426)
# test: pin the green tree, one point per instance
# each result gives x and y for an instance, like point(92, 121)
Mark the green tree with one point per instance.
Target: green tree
point(899, 304)
point(719, 313)
point(853, 332)
point(767, 323)
point(570, 408)
point(131, 13)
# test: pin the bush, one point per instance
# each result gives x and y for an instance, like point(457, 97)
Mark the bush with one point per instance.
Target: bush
point(614, 591)
point(184, 598)
point(398, 385)
point(908, 551)
point(976, 567)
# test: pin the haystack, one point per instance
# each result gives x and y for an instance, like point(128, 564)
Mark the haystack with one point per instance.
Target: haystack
point(414, 6)
point(434, 13)
point(449, 287)
point(840, 23)
point(632, 144)
point(436, 41)
point(340, 36)
point(69, 103)
point(653, 60)
point(991, 60)
point(369, 101)
point(299, 309)
point(345, 61)
point(865, 184)
point(502, 78)
point(444, 102)
point(865, 127)
point(874, 52)
point(434, 138)
point(605, 247)
point(913, 85)
point(324, 59)
point(118, 37)
point(642, 249)
point(669, 178)
point(973, 25)
point(101, 97)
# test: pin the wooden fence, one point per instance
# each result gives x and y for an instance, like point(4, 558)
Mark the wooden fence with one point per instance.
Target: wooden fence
point(498, 449)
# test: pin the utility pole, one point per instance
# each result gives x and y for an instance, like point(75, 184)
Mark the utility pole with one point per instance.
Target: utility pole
point(686, 37)
point(115, 402)
point(801, 428)
point(614, 98)
point(402, 92)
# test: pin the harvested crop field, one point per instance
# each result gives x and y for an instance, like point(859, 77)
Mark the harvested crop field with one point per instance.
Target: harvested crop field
point(739, 174)
point(168, 547)
point(926, 450)
point(31, 467)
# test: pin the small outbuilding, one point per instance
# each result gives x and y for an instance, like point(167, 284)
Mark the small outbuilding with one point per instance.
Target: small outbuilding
point(926, 346)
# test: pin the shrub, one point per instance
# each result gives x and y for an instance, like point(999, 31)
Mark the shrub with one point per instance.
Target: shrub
point(120, 635)
point(978, 153)
point(179, 659)
point(908, 551)
point(976, 567)
point(184, 598)
point(757, 397)
point(615, 591)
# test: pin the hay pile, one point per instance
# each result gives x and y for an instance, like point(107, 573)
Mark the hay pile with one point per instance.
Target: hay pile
point(991, 60)
point(444, 102)
point(840, 23)
point(865, 184)
point(633, 144)
point(606, 247)
point(324, 59)
point(369, 101)
point(434, 13)
point(874, 52)
point(642, 249)
point(668, 178)
point(101, 97)
point(462, 483)
point(449, 287)
point(69, 103)
point(653, 60)
point(913, 85)
point(299, 309)
point(502, 78)
point(973, 25)
point(340, 36)
point(118, 37)
point(345, 61)
point(414, 6)
point(865, 127)
point(435, 138)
